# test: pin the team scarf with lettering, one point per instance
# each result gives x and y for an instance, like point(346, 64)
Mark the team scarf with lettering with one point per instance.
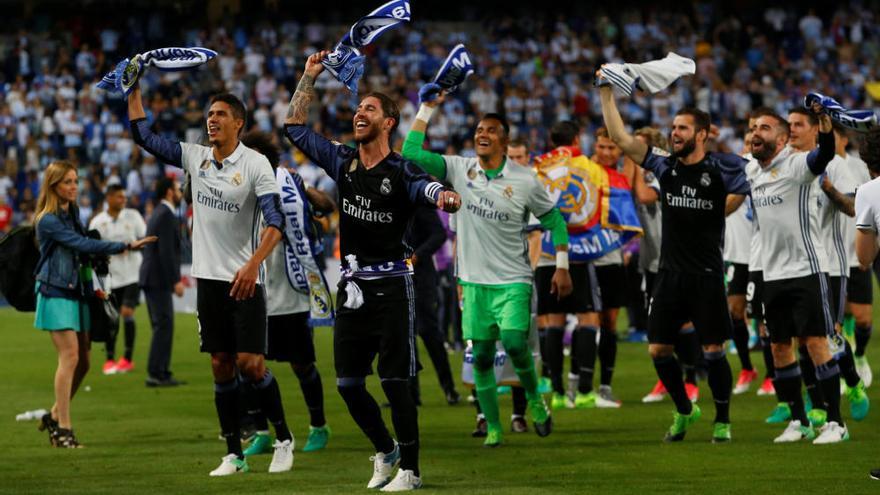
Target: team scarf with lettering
point(857, 120)
point(346, 62)
point(127, 72)
point(595, 202)
point(301, 247)
point(455, 69)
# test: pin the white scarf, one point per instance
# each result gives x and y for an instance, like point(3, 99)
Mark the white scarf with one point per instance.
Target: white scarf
point(650, 76)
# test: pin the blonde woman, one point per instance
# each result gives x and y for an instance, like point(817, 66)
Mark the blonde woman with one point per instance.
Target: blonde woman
point(61, 304)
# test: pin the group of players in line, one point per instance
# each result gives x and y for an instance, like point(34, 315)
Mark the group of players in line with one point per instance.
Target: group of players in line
point(788, 263)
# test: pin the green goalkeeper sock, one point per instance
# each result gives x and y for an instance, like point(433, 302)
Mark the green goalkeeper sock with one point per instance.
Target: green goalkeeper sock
point(484, 381)
point(516, 345)
point(849, 327)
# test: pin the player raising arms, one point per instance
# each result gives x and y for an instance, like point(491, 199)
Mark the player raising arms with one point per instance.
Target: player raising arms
point(697, 190)
point(492, 255)
point(378, 192)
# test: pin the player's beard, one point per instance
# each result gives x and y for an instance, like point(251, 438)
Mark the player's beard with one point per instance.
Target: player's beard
point(373, 132)
point(686, 149)
point(768, 149)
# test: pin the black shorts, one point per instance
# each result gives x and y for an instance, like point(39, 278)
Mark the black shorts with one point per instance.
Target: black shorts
point(681, 297)
point(755, 296)
point(612, 285)
point(797, 307)
point(859, 286)
point(648, 279)
point(384, 325)
point(736, 276)
point(290, 339)
point(227, 325)
point(584, 297)
point(837, 297)
point(127, 295)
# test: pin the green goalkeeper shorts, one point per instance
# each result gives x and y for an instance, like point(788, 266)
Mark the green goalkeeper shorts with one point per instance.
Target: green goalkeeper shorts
point(487, 309)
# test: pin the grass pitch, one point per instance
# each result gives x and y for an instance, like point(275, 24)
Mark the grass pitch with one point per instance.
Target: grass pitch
point(141, 440)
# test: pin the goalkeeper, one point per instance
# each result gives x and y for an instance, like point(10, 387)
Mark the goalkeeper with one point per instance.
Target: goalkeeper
point(491, 253)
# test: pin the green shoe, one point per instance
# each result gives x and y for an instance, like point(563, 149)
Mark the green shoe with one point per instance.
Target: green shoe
point(557, 402)
point(545, 386)
point(541, 418)
point(317, 438)
point(585, 401)
point(680, 424)
point(721, 433)
point(504, 390)
point(493, 436)
point(261, 444)
point(781, 414)
point(817, 417)
point(858, 401)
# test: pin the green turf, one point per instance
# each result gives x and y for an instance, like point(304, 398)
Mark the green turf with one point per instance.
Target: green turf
point(143, 440)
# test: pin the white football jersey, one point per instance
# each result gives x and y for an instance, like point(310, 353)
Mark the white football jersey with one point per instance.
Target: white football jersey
point(738, 234)
point(843, 175)
point(128, 226)
point(785, 201)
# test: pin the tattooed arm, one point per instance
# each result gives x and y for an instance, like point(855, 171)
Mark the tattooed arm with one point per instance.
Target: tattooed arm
point(298, 112)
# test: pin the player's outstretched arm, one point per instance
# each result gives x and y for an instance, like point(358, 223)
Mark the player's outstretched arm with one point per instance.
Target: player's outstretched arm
point(165, 149)
point(431, 96)
point(632, 147)
point(843, 202)
point(819, 158)
point(298, 112)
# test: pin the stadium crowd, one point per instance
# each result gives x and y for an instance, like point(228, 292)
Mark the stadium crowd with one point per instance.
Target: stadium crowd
point(535, 70)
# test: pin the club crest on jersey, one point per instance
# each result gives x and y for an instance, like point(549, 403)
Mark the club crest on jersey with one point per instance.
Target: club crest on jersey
point(508, 192)
point(705, 180)
point(472, 173)
point(205, 164)
point(236, 179)
point(385, 188)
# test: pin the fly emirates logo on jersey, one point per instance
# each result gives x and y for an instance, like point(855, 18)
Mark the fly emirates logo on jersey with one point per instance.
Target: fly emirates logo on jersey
point(688, 199)
point(485, 208)
point(360, 209)
point(215, 200)
point(760, 198)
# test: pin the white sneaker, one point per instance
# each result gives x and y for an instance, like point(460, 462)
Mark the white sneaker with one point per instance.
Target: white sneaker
point(864, 371)
point(282, 459)
point(404, 481)
point(231, 464)
point(383, 466)
point(605, 399)
point(831, 432)
point(794, 432)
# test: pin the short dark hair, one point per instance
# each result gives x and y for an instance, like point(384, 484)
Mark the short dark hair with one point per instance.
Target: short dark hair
point(501, 120)
point(869, 150)
point(601, 132)
point(702, 122)
point(812, 118)
point(780, 122)
point(238, 109)
point(519, 141)
point(389, 107)
point(760, 112)
point(162, 187)
point(262, 142)
point(564, 133)
point(113, 188)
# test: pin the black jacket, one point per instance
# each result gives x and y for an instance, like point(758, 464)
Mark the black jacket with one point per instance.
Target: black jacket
point(426, 235)
point(160, 269)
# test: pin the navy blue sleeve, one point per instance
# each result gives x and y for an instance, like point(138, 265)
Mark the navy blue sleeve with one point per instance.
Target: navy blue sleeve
point(419, 186)
point(656, 161)
point(319, 149)
point(166, 150)
point(733, 173)
point(431, 236)
point(270, 205)
point(51, 227)
point(819, 158)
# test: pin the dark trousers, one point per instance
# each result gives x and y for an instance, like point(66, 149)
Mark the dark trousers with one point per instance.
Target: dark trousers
point(449, 312)
point(161, 309)
point(429, 328)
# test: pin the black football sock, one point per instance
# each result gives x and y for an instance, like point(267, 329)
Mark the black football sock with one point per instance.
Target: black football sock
point(313, 393)
point(767, 351)
point(863, 335)
point(828, 375)
point(687, 349)
point(542, 346)
point(249, 402)
point(365, 412)
point(811, 383)
point(669, 373)
point(607, 355)
point(847, 365)
point(787, 382)
point(721, 383)
point(128, 324)
point(270, 403)
point(586, 352)
point(741, 339)
point(404, 416)
point(518, 395)
point(226, 401)
point(553, 344)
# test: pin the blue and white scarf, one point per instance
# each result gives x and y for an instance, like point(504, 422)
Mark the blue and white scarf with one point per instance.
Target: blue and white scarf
point(127, 72)
point(346, 62)
point(857, 120)
point(455, 69)
point(300, 249)
point(354, 295)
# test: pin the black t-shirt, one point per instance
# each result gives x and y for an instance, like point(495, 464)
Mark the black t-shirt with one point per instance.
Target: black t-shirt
point(376, 204)
point(693, 199)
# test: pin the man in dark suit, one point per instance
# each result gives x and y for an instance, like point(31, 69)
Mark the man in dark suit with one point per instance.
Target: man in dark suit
point(159, 278)
point(426, 234)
